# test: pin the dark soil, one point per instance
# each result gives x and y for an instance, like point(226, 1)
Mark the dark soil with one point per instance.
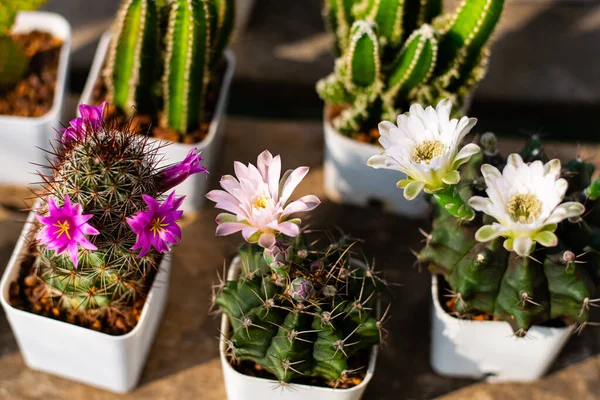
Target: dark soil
point(149, 123)
point(33, 96)
point(357, 362)
point(29, 293)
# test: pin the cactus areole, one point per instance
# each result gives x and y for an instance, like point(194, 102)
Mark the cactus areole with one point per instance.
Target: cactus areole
point(164, 58)
point(392, 53)
point(301, 308)
point(106, 214)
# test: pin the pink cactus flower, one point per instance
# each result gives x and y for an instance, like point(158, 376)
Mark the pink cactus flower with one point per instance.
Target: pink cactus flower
point(257, 202)
point(91, 118)
point(177, 173)
point(157, 226)
point(65, 229)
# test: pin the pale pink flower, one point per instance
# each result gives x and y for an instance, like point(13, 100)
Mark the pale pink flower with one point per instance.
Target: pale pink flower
point(257, 202)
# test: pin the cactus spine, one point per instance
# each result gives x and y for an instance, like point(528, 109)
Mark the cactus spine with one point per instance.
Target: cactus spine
point(187, 53)
point(130, 70)
point(556, 283)
point(416, 61)
point(311, 322)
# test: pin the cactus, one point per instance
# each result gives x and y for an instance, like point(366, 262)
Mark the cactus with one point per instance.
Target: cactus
point(106, 174)
point(393, 53)
point(13, 61)
point(555, 283)
point(167, 74)
point(301, 311)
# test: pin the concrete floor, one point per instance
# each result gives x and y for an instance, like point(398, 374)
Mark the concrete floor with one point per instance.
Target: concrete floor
point(184, 363)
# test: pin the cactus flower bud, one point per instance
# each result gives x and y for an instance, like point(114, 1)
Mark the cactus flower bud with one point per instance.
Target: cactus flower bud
point(301, 289)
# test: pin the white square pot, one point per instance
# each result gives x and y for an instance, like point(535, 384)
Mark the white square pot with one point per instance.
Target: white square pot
point(347, 178)
point(109, 362)
point(193, 188)
point(488, 349)
point(20, 137)
point(244, 387)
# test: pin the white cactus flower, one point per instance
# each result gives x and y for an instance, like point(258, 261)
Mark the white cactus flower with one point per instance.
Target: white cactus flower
point(525, 200)
point(425, 146)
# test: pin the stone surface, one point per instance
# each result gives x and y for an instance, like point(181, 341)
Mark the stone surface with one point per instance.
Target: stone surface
point(183, 362)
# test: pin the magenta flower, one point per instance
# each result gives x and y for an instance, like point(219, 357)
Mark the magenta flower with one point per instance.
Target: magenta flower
point(65, 229)
point(157, 227)
point(175, 174)
point(91, 118)
point(258, 201)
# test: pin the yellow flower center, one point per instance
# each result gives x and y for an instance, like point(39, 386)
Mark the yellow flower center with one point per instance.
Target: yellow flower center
point(158, 226)
point(427, 151)
point(524, 208)
point(261, 202)
point(63, 227)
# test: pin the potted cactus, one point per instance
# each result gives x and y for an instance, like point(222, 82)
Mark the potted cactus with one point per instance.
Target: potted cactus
point(299, 312)
point(91, 267)
point(391, 54)
point(164, 64)
point(514, 258)
point(34, 59)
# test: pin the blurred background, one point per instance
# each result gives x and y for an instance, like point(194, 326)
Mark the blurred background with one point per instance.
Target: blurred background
point(544, 74)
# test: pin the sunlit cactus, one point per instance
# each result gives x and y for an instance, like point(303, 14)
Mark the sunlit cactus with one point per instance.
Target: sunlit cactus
point(308, 324)
point(167, 72)
point(105, 219)
point(555, 282)
point(394, 53)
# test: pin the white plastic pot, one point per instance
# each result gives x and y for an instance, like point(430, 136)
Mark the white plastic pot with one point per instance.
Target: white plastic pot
point(194, 188)
point(244, 387)
point(20, 137)
point(243, 11)
point(108, 362)
point(489, 349)
point(347, 178)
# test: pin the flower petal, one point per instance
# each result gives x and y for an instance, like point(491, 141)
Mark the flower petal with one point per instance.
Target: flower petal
point(413, 189)
point(546, 238)
point(451, 178)
point(305, 203)
point(523, 246)
point(229, 228)
point(267, 240)
point(489, 232)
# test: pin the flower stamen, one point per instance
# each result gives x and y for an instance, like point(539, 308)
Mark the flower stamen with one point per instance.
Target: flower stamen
point(427, 150)
point(261, 202)
point(524, 208)
point(63, 227)
point(158, 226)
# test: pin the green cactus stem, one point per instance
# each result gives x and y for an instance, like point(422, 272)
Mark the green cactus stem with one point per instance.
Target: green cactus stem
point(131, 66)
point(556, 283)
point(187, 65)
point(13, 62)
point(312, 323)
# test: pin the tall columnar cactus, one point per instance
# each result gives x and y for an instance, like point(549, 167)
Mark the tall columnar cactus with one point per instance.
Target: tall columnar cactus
point(301, 311)
point(13, 61)
point(554, 283)
point(393, 53)
point(186, 54)
point(102, 225)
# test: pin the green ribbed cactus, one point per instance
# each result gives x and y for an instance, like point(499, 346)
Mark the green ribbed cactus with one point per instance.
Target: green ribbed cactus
point(393, 53)
point(554, 283)
point(101, 226)
point(154, 73)
point(301, 312)
point(13, 61)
